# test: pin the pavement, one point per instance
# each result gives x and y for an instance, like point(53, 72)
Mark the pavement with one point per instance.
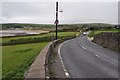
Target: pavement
point(85, 59)
point(37, 69)
point(57, 67)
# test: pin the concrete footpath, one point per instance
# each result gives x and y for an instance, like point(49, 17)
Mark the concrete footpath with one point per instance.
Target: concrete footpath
point(37, 69)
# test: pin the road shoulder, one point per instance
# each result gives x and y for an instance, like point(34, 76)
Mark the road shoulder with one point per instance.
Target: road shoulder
point(57, 67)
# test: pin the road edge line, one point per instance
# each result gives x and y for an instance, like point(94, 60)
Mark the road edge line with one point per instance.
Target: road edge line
point(65, 70)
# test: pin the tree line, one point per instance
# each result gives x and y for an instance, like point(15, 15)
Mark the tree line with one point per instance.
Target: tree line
point(61, 27)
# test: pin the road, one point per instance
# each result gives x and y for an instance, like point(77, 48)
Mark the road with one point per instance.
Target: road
point(85, 59)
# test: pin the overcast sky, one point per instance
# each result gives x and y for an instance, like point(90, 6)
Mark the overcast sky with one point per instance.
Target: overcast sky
point(73, 12)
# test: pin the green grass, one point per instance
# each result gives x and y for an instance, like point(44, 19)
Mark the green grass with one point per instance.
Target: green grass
point(17, 58)
point(92, 33)
point(42, 36)
point(100, 31)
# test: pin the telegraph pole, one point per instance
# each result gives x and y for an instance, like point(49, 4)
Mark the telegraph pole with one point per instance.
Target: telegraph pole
point(56, 21)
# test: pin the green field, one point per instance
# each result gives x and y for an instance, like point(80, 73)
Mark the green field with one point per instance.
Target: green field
point(92, 33)
point(17, 58)
point(42, 36)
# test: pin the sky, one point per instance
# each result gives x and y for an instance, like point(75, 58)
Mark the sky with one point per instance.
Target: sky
point(74, 12)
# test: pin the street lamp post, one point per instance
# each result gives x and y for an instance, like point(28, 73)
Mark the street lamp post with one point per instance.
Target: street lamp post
point(56, 21)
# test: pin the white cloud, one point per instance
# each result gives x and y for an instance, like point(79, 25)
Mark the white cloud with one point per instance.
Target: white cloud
point(60, 0)
point(73, 12)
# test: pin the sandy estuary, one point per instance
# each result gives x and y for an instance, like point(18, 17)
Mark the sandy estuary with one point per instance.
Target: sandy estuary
point(5, 33)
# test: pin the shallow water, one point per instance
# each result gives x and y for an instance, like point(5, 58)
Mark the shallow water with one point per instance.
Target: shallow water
point(15, 32)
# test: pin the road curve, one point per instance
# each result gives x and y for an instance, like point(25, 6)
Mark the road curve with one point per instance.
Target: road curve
point(85, 59)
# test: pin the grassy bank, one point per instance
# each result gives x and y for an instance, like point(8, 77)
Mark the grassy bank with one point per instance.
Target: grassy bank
point(92, 33)
point(17, 58)
point(34, 38)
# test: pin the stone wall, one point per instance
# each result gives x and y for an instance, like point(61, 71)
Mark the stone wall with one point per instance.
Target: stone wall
point(108, 40)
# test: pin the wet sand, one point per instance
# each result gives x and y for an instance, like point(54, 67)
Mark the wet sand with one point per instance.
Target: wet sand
point(4, 33)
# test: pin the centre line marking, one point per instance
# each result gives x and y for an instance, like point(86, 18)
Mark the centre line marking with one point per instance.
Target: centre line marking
point(83, 47)
point(97, 56)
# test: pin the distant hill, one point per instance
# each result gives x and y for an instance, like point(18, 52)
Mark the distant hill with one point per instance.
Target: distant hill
point(61, 27)
point(24, 26)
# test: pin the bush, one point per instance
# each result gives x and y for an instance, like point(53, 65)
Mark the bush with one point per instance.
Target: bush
point(28, 40)
point(91, 34)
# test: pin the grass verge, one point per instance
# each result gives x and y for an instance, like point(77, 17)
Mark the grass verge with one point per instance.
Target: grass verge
point(18, 58)
point(92, 33)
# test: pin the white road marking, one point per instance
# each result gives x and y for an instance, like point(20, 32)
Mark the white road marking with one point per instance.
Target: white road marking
point(97, 56)
point(66, 73)
point(48, 77)
point(83, 47)
point(100, 47)
point(104, 59)
point(108, 61)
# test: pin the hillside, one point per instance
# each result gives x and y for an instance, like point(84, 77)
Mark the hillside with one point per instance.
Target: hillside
point(61, 27)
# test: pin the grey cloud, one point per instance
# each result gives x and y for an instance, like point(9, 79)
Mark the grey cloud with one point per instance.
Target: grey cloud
point(25, 8)
point(73, 12)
